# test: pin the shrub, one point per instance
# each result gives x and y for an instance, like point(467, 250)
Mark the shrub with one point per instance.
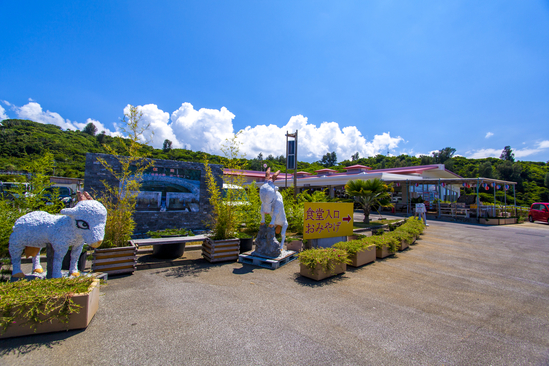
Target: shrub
point(325, 257)
point(40, 301)
point(352, 247)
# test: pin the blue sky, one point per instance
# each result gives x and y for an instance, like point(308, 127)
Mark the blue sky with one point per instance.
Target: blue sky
point(367, 76)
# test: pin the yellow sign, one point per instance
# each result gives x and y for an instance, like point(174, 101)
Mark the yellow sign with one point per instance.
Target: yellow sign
point(327, 219)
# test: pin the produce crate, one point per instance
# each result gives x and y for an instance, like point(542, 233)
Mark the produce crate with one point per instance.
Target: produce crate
point(220, 250)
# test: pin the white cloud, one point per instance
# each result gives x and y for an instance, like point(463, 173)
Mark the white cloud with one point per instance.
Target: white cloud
point(314, 141)
point(159, 124)
point(483, 153)
point(34, 112)
point(207, 129)
point(202, 130)
point(3, 114)
point(525, 152)
point(496, 153)
point(543, 145)
point(488, 135)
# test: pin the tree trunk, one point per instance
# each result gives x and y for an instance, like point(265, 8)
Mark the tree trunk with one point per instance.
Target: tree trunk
point(366, 216)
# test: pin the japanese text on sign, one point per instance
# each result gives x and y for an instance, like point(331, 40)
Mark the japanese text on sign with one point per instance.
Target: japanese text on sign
point(327, 219)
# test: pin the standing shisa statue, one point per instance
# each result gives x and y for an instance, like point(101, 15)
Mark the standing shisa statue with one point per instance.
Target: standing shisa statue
point(82, 224)
point(272, 204)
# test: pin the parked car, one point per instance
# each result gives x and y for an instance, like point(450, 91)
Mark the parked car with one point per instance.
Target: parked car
point(539, 211)
point(11, 190)
point(66, 195)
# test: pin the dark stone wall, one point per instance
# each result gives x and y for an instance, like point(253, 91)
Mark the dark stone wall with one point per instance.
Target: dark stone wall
point(95, 175)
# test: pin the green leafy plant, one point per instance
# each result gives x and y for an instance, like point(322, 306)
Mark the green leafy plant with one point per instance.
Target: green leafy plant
point(226, 211)
point(250, 213)
point(120, 200)
point(353, 246)
point(23, 199)
point(327, 258)
point(370, 193)
point(40, 301)
point(170, 232)
point(294, 209)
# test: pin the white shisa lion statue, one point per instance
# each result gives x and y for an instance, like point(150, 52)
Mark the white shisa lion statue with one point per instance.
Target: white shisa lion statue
point(272, 204)
point(82, 224)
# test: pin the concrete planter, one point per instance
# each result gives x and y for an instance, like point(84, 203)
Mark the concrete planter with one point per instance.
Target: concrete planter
point(115, 260)
point(383, 252)
point(319, 273)
point(89, 303)
point(295, 245)
point(497, 221)
point(363, 257)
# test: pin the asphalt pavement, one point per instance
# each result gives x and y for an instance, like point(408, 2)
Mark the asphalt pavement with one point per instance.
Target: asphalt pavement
point(463, 295)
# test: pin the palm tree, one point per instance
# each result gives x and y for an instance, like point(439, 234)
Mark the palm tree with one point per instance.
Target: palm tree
point(369, 193)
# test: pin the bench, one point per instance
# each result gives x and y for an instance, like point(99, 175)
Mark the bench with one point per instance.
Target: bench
point(162, 241)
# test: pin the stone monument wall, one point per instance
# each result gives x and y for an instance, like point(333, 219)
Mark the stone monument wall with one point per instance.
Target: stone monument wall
point(174, 193)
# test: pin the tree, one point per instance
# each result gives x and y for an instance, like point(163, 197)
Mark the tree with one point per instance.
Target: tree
point(101, 137)
point(90, 129)
point(509, 171)
point(546, 181)
point(120, 200)
point(227, 212)
point(369, 193)
point(427, 160)
point(507, 154)
point(355, 157)
point(485, 170)
point(167, 146)
point(328, 160)
point(442, 155)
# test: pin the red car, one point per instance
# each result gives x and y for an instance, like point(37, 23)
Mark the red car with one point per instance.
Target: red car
point(539, 211)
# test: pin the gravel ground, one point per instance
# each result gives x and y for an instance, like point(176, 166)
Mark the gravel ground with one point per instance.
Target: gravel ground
point(463, 295)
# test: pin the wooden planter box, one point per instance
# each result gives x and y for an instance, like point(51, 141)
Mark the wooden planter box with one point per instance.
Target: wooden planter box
point(363, 257)
point(319, 273)
point(296, 246)
point(220, 250)
point(115, 260)
point(89, 303)
point(383, 252)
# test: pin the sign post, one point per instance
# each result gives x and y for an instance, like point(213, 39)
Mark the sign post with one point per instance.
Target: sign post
point(324, 220)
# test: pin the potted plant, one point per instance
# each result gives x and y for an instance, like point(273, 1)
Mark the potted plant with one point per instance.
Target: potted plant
point(386, 245)
point(226, 217)
point(117, 254)
point(360, 251)
point(43, 306)
point(246, 242)
point(321, 263)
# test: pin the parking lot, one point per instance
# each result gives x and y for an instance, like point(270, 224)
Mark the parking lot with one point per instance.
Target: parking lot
point(463, 295)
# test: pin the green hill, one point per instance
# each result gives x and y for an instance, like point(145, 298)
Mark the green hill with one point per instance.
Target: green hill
point(21, 141)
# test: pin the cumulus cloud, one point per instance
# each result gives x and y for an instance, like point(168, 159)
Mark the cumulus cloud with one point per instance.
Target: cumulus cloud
point(207, 129)
point(314, 141)
point(488, 135)
point(3, 114)
point(33, 111)
point(202, 130)
point(159, 127)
